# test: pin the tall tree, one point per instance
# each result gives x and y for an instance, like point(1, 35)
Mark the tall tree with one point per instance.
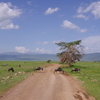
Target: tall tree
point(71, 52)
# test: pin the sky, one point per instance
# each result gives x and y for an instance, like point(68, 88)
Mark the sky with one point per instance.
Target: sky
point(34, 26)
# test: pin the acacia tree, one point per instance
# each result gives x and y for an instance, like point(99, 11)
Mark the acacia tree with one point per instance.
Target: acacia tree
point(71, 52)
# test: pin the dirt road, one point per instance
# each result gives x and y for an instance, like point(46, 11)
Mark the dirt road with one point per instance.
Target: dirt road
point(47, 85)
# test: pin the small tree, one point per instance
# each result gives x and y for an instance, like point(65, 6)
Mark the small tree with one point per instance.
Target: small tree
point(71, 52)
point(48, 61)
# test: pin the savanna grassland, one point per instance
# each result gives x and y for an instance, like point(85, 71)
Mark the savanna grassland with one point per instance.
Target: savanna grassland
point(89, 76)
point(9, 79)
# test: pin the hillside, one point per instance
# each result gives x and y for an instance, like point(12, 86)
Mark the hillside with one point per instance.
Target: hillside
point(30, 57)
point(13, 56)
point(91, 57)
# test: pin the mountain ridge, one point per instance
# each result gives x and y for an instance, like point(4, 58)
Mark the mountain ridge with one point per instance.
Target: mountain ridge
point(15, 56)
point(27, 56)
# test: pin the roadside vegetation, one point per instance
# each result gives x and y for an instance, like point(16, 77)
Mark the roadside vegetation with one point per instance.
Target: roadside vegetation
point(9, 79)
point(89, 76)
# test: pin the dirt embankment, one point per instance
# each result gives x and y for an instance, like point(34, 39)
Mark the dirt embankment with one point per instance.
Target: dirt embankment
point(47, 85)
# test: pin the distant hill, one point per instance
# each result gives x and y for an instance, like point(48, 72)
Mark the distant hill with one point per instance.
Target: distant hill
point(30, 57)
point(14, 56)
point(91, 57)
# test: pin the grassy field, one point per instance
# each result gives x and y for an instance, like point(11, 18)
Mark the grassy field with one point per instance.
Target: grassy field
point(89, 76)
point(9, 79)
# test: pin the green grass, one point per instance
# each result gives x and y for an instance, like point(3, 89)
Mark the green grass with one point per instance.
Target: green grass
point(89, 76)
point(9, 79)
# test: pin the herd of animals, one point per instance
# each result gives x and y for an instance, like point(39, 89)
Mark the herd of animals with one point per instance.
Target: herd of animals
point(60, 70)
point(55, 71)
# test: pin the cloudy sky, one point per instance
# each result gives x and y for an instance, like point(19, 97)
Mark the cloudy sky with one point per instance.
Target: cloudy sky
point(36, 25)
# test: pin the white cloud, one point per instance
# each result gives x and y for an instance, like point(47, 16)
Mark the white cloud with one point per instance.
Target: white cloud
point(43, 43)
point(91, 44)
point(10, 26)
point(80, 10)
point(7, 13)
point(81, 16)
point(69, 25)
point(29, 2)
point(56, 41)
point(94, 8)
point(51, 10)
point(82, 30)
point(43, 51)
point(21, 49)
point(52, 42)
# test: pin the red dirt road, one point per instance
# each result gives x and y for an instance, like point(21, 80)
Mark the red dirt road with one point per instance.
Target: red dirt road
point(47, 85)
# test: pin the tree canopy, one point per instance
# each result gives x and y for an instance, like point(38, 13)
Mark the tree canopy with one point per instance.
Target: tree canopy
point(71, 52)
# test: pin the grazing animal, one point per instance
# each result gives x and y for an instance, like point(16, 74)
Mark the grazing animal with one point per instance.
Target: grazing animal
point(75, 70)
point(58, 69)
point(39, 68)
point(11, 69)
point(19, 65)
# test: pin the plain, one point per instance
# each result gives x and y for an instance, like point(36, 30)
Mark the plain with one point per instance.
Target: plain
point(89, 75)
